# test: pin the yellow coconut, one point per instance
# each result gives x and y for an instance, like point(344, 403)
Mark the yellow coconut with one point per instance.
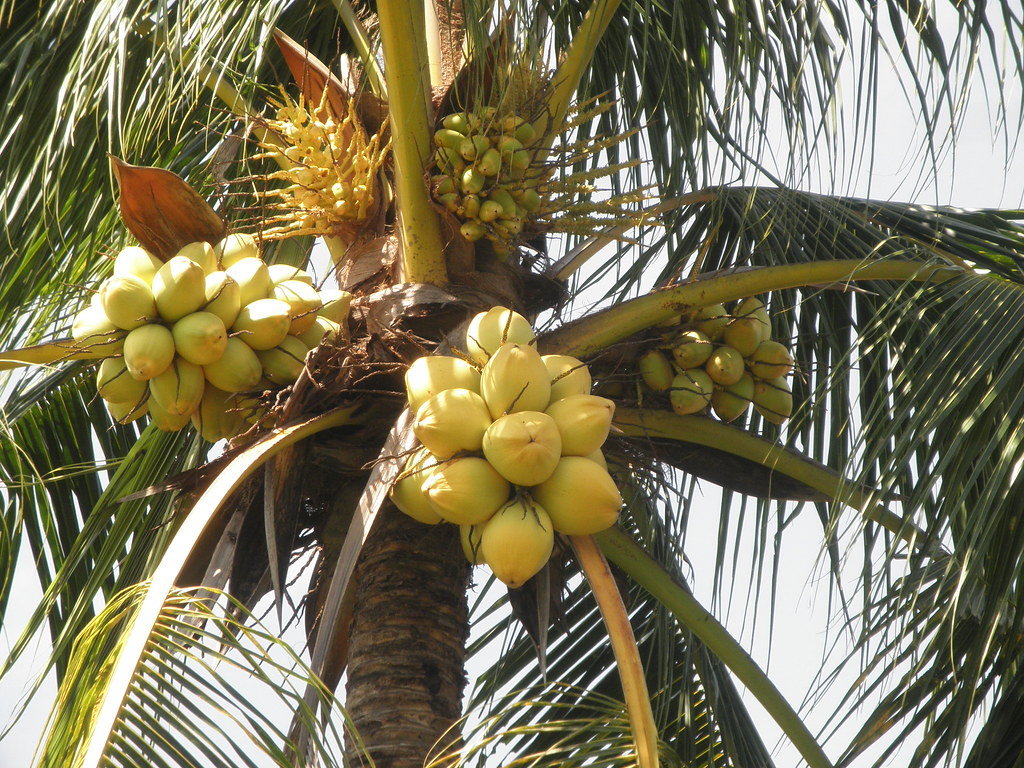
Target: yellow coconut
point(200, 337)
point(223, 297)
point(252, 277)
point(469, 537)
point(692, 349)
point(771, 360)
point(179, 287)
point(569, 376)
point(748, 328)
point(517, 541)
point(583, 422)
point(655, 370)
point(335, 305)
point(773, 399)
point(711, 321)
point(407, 492)
point(489, 330)
point(92, 329)
point(235, 247)
point(725, 365)
point(322, 330)
point(280, 273)
point(731, 402)
point(515, 379)
point(429, 375)
point(524, 447)
point(691, 391)
point(451, 421)
point(303, 300)
point(216, 418)
point(138, 262)
point(201, 253)
point(262, 324)
point(598, 458)
point(128, 301)
point(179, 389)
point(237, 370)
point(580, 496)
point(283, 364)
point(165, 420)
point(466, 490)
point(116, 385)
point(148, 350)
point(125, 413)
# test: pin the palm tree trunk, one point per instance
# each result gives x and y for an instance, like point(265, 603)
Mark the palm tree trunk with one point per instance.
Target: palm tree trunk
point(408, 640)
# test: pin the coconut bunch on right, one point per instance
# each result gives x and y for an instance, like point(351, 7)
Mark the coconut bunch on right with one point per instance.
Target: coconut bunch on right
point(511, 447)
point(722, 361)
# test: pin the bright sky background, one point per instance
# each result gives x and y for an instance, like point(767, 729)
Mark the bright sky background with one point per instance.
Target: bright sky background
point(977, 176)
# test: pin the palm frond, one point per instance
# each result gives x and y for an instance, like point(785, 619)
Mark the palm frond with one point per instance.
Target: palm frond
point(208, 689)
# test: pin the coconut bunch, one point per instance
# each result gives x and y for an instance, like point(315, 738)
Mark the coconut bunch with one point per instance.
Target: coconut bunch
point(183, 337)
point(724, 361)
point(483, 160)
point(330, 164)
point(511, 447)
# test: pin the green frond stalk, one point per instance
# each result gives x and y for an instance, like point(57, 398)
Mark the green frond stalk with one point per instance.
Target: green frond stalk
point(364, 47)
point(631, 671)
point(627, 554)
point(405, 67)
point(602, 329)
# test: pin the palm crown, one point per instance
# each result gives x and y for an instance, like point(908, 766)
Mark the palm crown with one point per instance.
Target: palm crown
point(641, 118)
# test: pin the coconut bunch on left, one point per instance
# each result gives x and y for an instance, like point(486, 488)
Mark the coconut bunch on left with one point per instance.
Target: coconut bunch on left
point(184, 338)
point(511, 448)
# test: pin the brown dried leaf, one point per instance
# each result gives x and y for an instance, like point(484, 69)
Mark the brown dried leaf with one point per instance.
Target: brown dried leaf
point(162, 211)
point(312, 75)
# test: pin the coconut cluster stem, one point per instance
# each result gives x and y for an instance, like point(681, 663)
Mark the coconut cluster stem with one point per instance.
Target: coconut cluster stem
point(403, 35)
point(602, 329)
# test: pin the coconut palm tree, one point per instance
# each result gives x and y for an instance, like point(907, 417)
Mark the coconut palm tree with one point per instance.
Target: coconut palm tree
point(650, 191)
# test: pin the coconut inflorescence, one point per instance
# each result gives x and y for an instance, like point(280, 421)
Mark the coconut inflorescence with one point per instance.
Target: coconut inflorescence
point(722, 360)
point(180, 339)
point(511, 447)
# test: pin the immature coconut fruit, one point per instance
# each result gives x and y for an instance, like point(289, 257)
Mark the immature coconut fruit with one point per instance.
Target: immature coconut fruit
point(164, 419)
point(724, 366)
point(773, 399)
point(279, 273)
point(583, 422)
point(128, 301)
point(524, 447)
point(580, 496)
point(517, 541)
point(283, 364)
point(691, 392)
point(749, 326)
point(202, 254)
point(466, 491)
point(711, 321)
point(303, 300)
point(489, 330)
point(263, 324)
point(731, 402)
point(771, 360)
point(126, 413)
point(237, 370)
point(116, 385)
point(322, 330)
point(223, 297)
point(148, 350)
point(138, 262)
point(429, 375)
point(179, 389)
point(216, 418)
point(655, 370)
point(179, 287)
point(469, 537)
point(235, 247)
point(252, 277)
point(407, 492)
point(569, 376)
point(692, 349)
point(335, 305)
point(200, 337)
point(515, 379)
point(451, 421)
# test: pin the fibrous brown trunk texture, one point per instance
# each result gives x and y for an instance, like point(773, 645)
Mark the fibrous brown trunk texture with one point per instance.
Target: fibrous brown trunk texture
point(406, 663)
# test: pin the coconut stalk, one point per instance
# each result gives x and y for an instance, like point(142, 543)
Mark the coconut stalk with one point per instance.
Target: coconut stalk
point(599, 331)
point(403, 36)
